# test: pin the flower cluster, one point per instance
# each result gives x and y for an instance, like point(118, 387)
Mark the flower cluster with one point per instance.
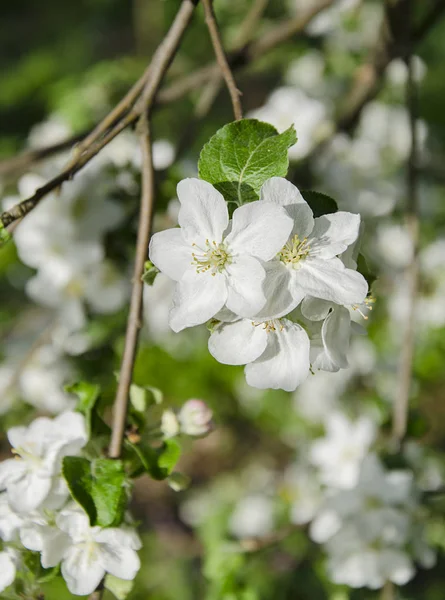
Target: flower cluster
point(250, 273)
point(36, 510)
point(72, 272)
point(371, 531)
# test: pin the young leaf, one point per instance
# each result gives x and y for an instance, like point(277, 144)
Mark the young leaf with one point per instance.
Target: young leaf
point(108, 491)
point(157, 462)
point(150, 272)
point(99, 487)
point(77, 473)
point(88, 394)
point(141, 397)
point(321, 204)
point(5, 236)
point(169, 456)
point(120, 588)
point(242, 155)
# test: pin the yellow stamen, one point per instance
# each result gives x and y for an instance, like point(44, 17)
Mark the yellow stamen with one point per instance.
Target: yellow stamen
point(295, 251)
point(213, 257)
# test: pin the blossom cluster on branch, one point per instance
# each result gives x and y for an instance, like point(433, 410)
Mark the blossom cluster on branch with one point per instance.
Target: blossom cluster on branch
point(251, 273)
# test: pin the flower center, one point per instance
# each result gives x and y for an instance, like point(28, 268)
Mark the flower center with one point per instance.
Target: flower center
point(213, 257)
point(366, 305)
point(294, 251)
point(31, 459)
point(269, 326)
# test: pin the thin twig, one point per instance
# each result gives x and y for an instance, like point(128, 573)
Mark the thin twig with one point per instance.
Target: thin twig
point(241, 58)
point(401, 403)
point(249, 24)
point(22, 161)
point(176, 90)
point(135, 314)
point(160, 63)
point(388, 591)
point(221, 58)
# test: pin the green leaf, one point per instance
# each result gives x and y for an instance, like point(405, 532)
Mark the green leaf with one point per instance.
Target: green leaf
point(178, 481)
point(119, 587)
point(141, 397)
point(5, 236)
point(157, 462)
point(47, 575)
point(77, 473)
point(242, 155)
point(321, 204)
point(169, 456)
point(99, 487)
point(88, 394)
point(150, 272)
point(108, 491)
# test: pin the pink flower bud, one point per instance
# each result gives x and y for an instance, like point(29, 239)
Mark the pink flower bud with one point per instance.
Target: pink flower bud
point(195, 418)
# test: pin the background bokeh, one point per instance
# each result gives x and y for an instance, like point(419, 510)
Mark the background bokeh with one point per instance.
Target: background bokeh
point(250, 526)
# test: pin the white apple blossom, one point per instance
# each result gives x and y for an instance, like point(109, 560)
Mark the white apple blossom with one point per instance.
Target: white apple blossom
point(275, 352)
point(9, 562)
point(367, 531)
point(308, 263)
point(340, 453)
point(330, 334)
point(304, 492)
point(88, 553)
point(253, 516)
point(33, 478)
point(214, 263)
point(41, 382)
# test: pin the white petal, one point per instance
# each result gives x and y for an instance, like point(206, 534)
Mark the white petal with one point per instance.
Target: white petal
point(279, 301)
point(74, 522)
point(259, 228)
point(198, 297)
point(7, 571)
point(170, 253)
point(120, 561)
point(54, 548)
point(11, 470)
point(28, 493)
point(397, 565)
point(283, 192)
point(315, 309)
point(123, 536)
point(17, 436)
point(336, 334)
point(330, 280)
point(203, 213)
point(332, 234)
point(238, 343)
point(9, 521)
point(320, 359)
point(285, 362)
point(82, 570)
point(245, 276)
point(31, 536)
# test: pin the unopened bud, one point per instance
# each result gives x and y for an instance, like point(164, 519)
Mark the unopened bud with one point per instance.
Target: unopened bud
point(195, 418)
point(169, 424)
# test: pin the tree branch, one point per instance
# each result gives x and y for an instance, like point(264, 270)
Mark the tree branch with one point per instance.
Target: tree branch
point(136, 304)
point(120, 117)
point(158, 67)
point(222, 59)
point(401, 403)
